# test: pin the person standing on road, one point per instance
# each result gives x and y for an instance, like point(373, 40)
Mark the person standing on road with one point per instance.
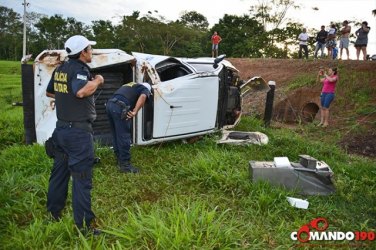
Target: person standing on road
point(362, 40)
point(121, 108)
point(344, 41)
point(73, 86)
point(303, 41)
point(329, 81)
point(320, 41)
point(216, 39)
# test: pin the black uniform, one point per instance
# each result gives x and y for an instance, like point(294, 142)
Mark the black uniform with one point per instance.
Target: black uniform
point(123, 100)
point(74, 154)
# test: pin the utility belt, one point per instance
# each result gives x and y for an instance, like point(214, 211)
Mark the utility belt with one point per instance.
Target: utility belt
point(125, 110)
point(81, 125)
point(118, 102)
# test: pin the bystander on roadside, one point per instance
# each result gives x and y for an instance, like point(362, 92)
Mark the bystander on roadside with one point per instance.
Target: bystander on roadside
point(331, 40)
point(303, 41)
point(344, 41)
point(320, 41)
point(362, 40)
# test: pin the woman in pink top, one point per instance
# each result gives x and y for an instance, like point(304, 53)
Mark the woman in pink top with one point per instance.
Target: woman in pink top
point(329, 81)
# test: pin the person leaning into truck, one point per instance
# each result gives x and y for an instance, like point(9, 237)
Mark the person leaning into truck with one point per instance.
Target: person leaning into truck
point(73, 87)
point(121, 108)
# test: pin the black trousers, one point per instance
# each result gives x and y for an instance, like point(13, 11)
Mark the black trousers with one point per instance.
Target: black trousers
point(74, 156)
point(305, 48)
point(121, 132)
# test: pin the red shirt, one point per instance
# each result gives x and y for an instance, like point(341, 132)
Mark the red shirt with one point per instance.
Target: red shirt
point(215, 39)
point(329, 87)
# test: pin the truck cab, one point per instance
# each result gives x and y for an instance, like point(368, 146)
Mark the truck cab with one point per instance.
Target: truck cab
point(190, 96)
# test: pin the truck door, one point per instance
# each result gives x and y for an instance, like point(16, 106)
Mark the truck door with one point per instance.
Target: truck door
point(185, 105)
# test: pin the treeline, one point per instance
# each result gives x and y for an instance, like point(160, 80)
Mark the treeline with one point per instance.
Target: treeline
point(258, 34)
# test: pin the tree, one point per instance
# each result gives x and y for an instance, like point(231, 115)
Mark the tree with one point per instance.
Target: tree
point(192, 42)
point(272, 14)
point(11, 31)
point(241, 36)
point(104, 33)
point(194, 20)
point(172, 34)
point(135, 33)
point(155, 35)
point(75, 27)
point(55, 30)
point(52, 31)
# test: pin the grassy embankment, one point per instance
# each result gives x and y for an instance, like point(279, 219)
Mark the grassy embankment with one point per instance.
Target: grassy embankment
point(188, 196)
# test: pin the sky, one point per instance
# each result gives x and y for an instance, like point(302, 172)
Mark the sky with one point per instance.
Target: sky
point(90, 10)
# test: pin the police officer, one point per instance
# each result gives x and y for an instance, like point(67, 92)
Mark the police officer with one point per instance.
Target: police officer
point(121, 108)
point(73, 87)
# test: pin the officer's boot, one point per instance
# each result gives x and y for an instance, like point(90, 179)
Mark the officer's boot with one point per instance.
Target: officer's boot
point(56, 216)
point(126, 167)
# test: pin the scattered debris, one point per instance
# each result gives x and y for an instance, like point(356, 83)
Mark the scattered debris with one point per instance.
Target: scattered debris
point(299, 203)
point(309, 176)
point(17, 104)
point(242, 138)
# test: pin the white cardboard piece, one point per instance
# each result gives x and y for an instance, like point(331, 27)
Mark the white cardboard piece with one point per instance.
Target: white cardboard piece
point(282, 162)
point(299, 203)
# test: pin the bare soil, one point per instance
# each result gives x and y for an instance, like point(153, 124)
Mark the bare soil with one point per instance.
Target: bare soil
point(361, 140)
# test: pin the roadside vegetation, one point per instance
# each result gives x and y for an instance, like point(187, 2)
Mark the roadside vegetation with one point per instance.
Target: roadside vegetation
point(263, 32)
point(188, 196)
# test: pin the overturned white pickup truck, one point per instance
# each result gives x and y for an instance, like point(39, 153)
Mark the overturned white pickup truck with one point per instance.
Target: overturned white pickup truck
point(191, 97)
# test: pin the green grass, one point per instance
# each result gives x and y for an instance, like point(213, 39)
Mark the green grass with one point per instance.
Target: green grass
point(188, 196)
point(10, 68)
point(302, 80)
point(11, 123)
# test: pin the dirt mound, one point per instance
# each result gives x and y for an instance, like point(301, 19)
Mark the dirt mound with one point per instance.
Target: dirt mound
point(283, 71)
point(360, 144)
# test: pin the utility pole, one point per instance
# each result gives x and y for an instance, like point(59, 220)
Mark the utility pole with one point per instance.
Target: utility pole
point(25, 4)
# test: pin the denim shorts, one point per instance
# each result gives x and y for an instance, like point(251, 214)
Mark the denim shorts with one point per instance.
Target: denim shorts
point(326, 99)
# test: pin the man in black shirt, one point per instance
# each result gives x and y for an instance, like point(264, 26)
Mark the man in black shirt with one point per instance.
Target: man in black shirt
point(321, 40)
point(73, 86)
point(121, 108)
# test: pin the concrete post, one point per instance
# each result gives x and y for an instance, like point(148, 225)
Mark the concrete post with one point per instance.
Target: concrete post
point(269, 104)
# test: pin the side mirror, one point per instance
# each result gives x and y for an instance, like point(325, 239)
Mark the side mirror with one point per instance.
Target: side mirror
point(218, 60)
